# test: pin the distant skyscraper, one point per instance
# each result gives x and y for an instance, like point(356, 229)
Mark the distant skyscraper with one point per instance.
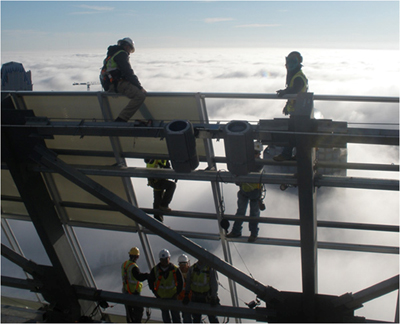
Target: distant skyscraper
point(14, 77)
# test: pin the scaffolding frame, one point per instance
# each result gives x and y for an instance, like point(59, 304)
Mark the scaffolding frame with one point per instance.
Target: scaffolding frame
point(306, 135)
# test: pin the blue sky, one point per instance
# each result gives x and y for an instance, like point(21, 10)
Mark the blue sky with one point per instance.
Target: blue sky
point(88, 25)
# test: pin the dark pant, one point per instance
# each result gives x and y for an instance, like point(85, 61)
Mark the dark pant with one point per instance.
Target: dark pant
point(134, 314)
point(168, 314)
point(202, 298)
point(163, 193)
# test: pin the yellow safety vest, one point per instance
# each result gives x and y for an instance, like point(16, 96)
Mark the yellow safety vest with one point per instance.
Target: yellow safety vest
point(200, 280)
point(166, 288)
point(130, 283)
point(247, 187)
point(291, 103)
point(111, 65)
point(156, 164)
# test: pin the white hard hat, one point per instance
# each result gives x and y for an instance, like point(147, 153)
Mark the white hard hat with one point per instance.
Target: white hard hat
point(183, 258)
point(128, 41)
point(164, 254)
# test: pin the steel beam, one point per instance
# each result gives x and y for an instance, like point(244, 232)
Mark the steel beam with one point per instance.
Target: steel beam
point(227, 177)
point(355, 300)
point(46, 158)
point(305, 156)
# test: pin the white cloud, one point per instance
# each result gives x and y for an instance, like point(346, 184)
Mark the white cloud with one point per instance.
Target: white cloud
point(216, 20)
point(92, 9)
point(258, 25)
point(244, 70)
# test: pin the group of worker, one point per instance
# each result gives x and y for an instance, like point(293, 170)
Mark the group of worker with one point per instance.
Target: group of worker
point(197, 283)
point(121, 79)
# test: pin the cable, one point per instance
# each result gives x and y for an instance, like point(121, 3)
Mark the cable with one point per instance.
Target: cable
point(242, 260)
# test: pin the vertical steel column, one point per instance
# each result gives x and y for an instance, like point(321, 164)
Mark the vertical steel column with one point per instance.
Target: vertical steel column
point(8, 232)
point(15, 149)
point(130, 191)
point(302, 120)
point(217, 198)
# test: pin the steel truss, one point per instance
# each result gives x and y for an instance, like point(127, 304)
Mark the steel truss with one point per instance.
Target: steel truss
point(23, 148)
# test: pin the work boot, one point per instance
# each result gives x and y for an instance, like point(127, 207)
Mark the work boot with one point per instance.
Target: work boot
point(252, 238)
point(119, 119)
point(281, 158)
point(159, 218)
point(165, 208)
point(232, 235)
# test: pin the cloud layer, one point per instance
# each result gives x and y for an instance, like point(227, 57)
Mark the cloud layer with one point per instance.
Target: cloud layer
point(242, 70)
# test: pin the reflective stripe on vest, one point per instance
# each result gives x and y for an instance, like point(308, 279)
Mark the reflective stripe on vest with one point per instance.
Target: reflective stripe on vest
point(291, 103)
point(166, 288)
point(248, 187)
point(200, 282)
point(155, 164)
point(111, 65)
point(130, 284)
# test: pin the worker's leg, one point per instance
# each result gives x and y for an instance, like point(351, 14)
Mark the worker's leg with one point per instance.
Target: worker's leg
point(135, 94)
point(169, 188)
point(241, 211)
point(254, 211)
point(158, 194)
point(165, 316)
point(137, 314)
point(212, 319)
point(176, 316)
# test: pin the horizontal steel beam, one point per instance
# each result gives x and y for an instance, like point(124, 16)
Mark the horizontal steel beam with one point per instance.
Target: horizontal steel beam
point(220, 95)
point(261, 220)
point(227, 177)
point(46, 158)
point(355, 300)
point(100, 128)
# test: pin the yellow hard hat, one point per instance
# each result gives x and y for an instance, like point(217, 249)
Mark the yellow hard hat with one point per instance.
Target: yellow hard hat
point(134, 251)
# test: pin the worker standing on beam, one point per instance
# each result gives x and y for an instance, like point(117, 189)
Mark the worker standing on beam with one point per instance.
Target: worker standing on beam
point(117, 76)
point(166, 282)
point(202, 283)
point(249, 193)
point(132, 284)
point(184, 265)
point(296, 82)
point(163, 189)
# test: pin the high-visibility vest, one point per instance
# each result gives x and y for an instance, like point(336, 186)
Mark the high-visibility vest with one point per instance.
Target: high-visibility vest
point(111, 66)
point(247, 187)
point(130, 283)
point(291, 103)
point(166, 287)
point(155, 164)
point(200, 279)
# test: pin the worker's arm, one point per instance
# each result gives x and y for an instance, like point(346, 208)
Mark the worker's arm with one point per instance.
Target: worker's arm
point(179, 278)
point(298, 84)
point(213, 283)
point(122, 60)
point(151, 280)
point(139, 275)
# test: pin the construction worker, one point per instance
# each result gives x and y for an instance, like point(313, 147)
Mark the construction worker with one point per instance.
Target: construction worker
point(202, 283)
point(121, 78)
point(166, 282)
point(132, 284)
point(296, 82)
point(184, 265)
point(163, 189)
point(249, 192)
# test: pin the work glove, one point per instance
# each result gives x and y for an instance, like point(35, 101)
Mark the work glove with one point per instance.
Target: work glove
point(281, 93)
point(285, 111)
point(214, 301)
point(185, 300)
